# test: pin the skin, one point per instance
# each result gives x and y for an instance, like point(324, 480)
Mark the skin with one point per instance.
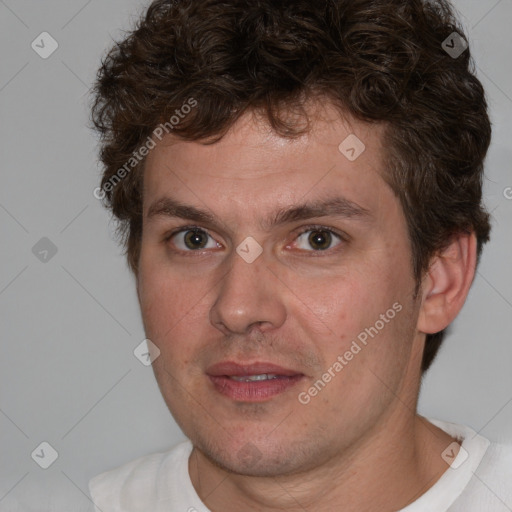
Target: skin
point(359, 442)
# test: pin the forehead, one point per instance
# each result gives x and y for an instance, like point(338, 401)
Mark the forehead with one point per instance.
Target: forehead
point(252, 166)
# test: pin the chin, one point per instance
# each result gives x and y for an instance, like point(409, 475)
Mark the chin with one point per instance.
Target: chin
point(249, 458)
point(250, 461)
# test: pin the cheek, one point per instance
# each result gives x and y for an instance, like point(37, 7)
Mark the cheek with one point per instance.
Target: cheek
point(361, 313)
point(343, 304)
point(166, 300)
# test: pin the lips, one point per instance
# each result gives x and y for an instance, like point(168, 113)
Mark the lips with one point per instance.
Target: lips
point(254, 382)
point(232, 369)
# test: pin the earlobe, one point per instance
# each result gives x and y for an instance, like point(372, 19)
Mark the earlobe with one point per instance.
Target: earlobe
point(447, 284)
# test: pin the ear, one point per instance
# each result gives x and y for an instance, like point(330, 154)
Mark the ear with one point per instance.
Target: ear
point(447, 283)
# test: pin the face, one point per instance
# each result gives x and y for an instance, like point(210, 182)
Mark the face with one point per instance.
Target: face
point(275, 278)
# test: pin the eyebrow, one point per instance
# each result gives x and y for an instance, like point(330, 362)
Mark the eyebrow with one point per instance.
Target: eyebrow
point(330, 207)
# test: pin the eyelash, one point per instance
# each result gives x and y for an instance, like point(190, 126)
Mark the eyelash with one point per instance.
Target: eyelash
point(344, 238)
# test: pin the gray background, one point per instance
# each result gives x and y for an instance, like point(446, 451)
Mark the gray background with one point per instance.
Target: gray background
point(70, 324)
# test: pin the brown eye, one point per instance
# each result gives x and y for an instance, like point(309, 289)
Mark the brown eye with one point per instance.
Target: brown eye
point(318, 240)
point(193, 240)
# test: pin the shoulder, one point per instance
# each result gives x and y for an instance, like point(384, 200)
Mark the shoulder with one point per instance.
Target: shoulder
point(479, 478)
point(491, 485)
point(133, 486)
point(497, 462)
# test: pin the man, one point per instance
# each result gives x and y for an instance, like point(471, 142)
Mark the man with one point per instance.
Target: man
point(299, 184)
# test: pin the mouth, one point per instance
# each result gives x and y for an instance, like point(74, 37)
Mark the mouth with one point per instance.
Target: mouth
point(254, 382)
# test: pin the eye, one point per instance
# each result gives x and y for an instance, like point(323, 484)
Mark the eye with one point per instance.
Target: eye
point(193, 239)
point(318, 238)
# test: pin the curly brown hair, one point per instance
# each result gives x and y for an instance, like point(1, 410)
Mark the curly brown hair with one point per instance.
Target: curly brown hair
point(379, 60)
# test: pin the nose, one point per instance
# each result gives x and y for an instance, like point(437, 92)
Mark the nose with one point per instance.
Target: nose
point(248, 295)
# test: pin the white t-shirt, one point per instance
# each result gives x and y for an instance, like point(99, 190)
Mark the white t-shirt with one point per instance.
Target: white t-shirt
point(479, 479)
